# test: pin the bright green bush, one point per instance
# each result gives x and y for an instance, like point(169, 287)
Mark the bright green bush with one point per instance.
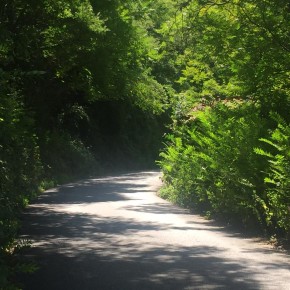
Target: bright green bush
point(210, 161)
point(277, 180)
point(215, 161)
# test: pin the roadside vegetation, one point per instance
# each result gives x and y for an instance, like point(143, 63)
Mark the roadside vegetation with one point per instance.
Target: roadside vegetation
point(77, 98)
point(228, 152)
point(88, 86)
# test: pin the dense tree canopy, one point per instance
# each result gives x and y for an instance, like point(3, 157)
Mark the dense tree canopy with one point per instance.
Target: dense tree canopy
point(76, 95)
point(227, 151)
point(87, 85)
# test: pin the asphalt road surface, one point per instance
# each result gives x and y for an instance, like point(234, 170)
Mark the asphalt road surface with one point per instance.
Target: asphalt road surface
point(115, 233)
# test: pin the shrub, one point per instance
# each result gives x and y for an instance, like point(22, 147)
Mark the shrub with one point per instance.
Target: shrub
point(210, 161)
point(20, 171)
point(277, 180)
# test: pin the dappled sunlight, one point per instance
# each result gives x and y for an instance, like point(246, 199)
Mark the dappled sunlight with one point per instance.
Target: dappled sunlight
point(119, 246)
point(117, 234)
point(115, 188)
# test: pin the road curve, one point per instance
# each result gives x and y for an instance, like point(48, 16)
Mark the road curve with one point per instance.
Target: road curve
point(115, 233)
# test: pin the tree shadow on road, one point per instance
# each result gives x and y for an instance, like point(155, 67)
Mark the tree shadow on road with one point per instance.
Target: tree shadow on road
point(90, 252)
point(76, 251)
point(117, 188)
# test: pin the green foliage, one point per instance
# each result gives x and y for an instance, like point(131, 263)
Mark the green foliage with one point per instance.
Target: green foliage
point(224, 49)
point(20, 170)
point(66, 158)
point(278, 172)
point(59, 62)
point(229, 65)
point(84, 85)
point(210, 161)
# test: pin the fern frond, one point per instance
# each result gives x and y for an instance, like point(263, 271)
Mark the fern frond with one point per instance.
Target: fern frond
point(262, 152)
point(271, 143)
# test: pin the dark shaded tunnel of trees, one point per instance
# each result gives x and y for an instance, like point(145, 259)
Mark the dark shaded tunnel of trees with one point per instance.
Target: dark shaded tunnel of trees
point(88, 87)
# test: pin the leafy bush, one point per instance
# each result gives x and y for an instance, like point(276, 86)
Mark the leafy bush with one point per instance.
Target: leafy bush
point(20, 170)
point(210, 161)
point(277, 180)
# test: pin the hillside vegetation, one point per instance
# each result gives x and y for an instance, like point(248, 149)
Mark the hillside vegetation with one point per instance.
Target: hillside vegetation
point(91, 86)
point(228, 152)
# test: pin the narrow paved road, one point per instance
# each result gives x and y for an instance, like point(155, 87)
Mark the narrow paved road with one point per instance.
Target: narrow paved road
point(115, 233)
